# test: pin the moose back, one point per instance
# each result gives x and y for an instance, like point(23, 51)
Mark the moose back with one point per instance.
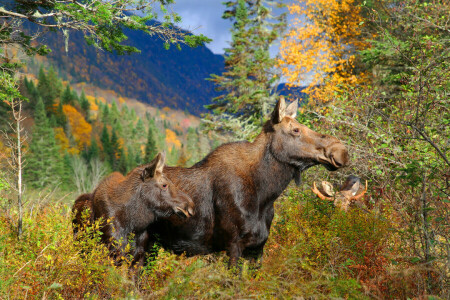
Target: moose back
point(235, 186)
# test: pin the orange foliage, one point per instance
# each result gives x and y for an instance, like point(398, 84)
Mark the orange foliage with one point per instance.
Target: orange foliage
point(166, 109)
point(322, 48)
point(81, 130)
point(172, 140)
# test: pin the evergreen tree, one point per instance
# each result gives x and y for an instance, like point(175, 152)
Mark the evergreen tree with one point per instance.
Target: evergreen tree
point(150, 146)
point(61, 119)
point(67, 96)
point(106, 143)
point(122, 164)
point(84, 104)
point(138, 158)
point(94, 150)
point(114, 151)
point(48, 87)
point(139, 131)
point(44, 166)
point(248, 79)
point(55, 83)
point(105, 114)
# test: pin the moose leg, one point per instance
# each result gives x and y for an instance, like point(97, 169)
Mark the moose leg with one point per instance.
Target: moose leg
point(254, 255)
point(139, 253)
point(234, 251)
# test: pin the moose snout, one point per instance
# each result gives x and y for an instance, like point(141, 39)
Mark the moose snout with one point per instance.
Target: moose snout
point(338, 155)
point(185, 208)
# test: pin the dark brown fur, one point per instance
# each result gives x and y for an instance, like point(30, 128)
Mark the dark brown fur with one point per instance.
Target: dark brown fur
point(128, 204)
point(82, 206)
point(235, 186)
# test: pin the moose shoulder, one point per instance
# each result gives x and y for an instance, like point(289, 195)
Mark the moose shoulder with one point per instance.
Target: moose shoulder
point(235, 186)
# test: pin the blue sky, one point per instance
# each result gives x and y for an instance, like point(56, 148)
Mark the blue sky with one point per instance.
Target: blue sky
point(205, 16)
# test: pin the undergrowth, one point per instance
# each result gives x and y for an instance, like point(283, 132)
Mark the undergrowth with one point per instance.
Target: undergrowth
point(313, 251)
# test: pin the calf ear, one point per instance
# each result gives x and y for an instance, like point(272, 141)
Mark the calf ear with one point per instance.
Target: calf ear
point(351, 184)
point(151, 169)
point(291, 110)
point(279, 112)
point(355, 188)
point(160, 162)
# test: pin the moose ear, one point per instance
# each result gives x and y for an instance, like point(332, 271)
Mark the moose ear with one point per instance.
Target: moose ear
point(351, 184)
point(279, 112)
point(291, 110)
point(153, 167)
point(161, 160)
point(355, 188)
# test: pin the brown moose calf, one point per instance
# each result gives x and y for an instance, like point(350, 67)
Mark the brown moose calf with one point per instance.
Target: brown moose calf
point(132, 203)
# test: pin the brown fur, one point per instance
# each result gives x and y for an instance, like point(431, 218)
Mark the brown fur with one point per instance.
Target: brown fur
point(82, 206)
point(128, 204)
point(235, 186)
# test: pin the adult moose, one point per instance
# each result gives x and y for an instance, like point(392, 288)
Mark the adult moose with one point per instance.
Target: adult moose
point(235, 186)
point(133, 202)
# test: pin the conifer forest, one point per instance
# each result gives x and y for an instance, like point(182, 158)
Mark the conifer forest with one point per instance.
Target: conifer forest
point(310, 159)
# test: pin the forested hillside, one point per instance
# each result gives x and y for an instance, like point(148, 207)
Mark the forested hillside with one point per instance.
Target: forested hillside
point(161, 77)
point(76, 138)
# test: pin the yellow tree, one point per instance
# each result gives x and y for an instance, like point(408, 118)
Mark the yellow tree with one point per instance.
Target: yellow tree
point(320, 46)
point(81, 130)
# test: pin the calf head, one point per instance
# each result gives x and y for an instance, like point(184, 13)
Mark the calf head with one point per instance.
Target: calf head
point(349, 193)
point(160, 194)
point(297, 145)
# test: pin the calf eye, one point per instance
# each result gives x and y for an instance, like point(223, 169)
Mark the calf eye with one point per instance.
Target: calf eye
point(296, 130)
point(164, 185)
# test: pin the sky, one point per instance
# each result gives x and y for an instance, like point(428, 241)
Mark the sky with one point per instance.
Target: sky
point(205, 17)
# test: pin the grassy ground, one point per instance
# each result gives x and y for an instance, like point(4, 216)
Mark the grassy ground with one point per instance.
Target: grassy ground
point(313, 251)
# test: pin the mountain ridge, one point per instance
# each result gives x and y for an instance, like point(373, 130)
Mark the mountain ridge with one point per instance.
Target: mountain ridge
point(156, 76)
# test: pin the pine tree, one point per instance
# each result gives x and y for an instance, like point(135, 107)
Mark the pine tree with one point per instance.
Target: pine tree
point(61, 119)
point(122, 164)
point(94, 150)
point(84, 104)
point(48, 87)
point(67, 96)
point(150, 146)
point(106, 143)
point(114, 151)
point(105, 114)
point(248, 79)
point(44, 166)
point(140, 129)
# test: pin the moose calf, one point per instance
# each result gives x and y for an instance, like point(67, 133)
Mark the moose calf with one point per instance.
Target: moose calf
point(132, 203)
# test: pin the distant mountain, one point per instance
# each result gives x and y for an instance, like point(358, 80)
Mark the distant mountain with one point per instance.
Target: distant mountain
point(159, 77)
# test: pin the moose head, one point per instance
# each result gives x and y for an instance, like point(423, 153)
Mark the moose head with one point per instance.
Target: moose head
point(160, 193)
point(299, 146)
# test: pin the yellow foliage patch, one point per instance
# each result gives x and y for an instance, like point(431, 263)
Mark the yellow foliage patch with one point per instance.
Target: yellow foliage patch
point(324, 44)
point(172, 140)
point(81, 130)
